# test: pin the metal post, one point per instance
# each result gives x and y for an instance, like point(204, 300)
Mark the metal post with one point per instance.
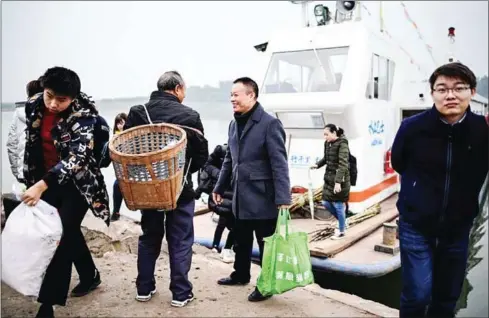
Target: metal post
point(310, 193)
point(305, 14)
point(381, 16)
point(358, 14)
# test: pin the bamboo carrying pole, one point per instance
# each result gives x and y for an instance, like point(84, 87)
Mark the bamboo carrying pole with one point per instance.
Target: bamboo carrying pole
point(310, 193)
point(328, 230)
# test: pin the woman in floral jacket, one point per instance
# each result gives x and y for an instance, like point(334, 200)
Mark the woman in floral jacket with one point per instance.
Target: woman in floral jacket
point(60, 168)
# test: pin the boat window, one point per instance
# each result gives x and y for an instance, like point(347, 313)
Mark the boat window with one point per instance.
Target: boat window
point(381, 78)
point(302, 120)
point(306, 71)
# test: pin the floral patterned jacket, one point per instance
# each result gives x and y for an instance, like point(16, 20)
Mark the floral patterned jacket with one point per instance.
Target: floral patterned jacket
point(74, 142)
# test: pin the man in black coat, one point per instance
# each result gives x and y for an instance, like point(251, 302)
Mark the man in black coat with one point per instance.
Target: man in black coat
point(165, 106)
point(442, 157)
point(256, 167)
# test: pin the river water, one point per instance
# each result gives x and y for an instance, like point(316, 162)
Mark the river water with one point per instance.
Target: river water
point(386, 290)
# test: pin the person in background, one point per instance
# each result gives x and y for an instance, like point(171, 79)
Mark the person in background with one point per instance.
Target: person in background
point(16, 136)
point(60, 168)
point(256, 168)
point(165, 106)
point(442, 157)
point(119, 122)
point(208, 179)
point(15, 148)
point(336, 189)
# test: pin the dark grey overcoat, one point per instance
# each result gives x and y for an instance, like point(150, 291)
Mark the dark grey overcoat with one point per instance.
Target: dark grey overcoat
point(256, 167)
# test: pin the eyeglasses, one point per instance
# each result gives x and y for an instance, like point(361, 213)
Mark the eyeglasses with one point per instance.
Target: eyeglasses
point(456, 90)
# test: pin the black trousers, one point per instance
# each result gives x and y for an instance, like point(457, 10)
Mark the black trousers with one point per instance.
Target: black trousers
point(243, 236)
point(117, 197)
point(72, 247)
point(225, 221)
point(10, 202)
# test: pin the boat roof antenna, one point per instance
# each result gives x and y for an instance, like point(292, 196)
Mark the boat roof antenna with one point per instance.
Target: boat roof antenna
point(345, 10)
point(305, 11)
point(451, 45)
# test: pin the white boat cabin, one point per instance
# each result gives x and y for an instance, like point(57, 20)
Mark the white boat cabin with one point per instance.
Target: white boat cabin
point(348, 75)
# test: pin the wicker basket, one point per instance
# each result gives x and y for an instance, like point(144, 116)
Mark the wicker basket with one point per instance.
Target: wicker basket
point(149, 164)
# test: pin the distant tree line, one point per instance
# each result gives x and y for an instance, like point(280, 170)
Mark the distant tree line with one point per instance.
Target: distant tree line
point(206, 93)
point(483, 86)
point(221, 94)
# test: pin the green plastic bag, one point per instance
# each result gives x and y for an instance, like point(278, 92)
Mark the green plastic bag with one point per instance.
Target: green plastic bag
point(286, 260)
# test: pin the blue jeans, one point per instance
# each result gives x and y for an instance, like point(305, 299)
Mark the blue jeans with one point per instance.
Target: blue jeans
point(338, 210)
point(433, 271)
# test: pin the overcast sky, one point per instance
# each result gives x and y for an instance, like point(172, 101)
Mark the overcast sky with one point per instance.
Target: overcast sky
point(120, 48)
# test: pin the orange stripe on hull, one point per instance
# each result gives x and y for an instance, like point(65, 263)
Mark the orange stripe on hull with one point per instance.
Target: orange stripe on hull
point(361, 196)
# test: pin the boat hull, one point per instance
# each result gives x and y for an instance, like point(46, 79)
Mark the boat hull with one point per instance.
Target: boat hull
point(331, 265)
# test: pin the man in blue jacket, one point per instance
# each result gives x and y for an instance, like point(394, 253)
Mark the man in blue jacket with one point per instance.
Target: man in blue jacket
point(442, 157)
point(256, 167)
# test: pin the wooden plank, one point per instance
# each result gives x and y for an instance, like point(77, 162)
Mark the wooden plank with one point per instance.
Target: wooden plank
point(329, 248)
point(325, 248)
point(382, 248)
point(201, 210)
point(363, 252)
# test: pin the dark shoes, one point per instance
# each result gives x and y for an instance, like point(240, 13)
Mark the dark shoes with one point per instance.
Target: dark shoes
point(115, 216)
point(144, 297)
point(228, 281)
point(254, 296)
point(257, 296)
point(182, 303)
point(84, 287)
point(45, 311)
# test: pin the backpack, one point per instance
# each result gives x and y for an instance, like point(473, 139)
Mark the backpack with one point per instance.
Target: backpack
point(101, 136)
point(352, 163)
point(205, 184)
point(352, 166)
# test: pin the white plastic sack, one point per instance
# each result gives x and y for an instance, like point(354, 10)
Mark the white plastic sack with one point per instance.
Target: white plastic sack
point(29, 240)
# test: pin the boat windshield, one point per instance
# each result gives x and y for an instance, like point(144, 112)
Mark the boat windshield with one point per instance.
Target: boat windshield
point(304, 71)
